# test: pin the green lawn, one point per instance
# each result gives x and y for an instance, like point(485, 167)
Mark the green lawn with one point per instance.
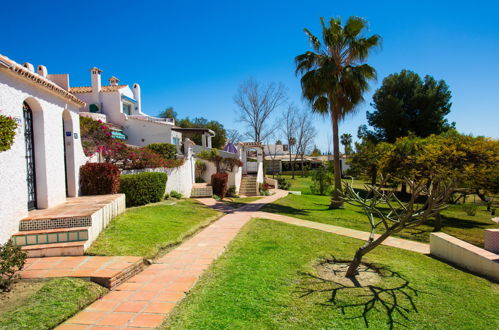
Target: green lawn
point(315, 208)
point(260, 282)
point(53, 303)
point(241, 201)
point(144, 231)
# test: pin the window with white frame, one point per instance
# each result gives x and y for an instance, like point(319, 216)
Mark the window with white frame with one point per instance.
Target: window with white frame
point(127, 108)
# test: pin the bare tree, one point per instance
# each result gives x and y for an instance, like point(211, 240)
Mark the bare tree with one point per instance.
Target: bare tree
point(271, 152)
point(288, 127)
point(305, 135)
point(234, 136)
point(256, 104)
point(400, 215)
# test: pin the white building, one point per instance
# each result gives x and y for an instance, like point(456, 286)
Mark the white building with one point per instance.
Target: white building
point(42, 167)
point(121, 105)
point(276, 149)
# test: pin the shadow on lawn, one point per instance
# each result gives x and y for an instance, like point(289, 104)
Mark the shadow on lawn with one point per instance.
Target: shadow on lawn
point(393, 295)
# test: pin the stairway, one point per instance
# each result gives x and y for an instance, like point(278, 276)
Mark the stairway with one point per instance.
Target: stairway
point(67, 229)
point(249, 186)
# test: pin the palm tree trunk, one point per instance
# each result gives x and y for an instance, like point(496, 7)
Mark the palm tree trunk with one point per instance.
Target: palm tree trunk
point(336, 201)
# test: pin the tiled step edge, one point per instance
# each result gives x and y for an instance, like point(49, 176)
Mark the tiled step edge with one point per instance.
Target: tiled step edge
point(57, 223)
point(50, 236)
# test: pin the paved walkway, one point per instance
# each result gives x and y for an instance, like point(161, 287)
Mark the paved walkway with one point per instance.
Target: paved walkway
point(145, 299)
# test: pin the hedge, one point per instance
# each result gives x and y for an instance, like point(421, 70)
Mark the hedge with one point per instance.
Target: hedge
point(99, 179)
point(166, 150)
point(219, 182)
point(143, 188)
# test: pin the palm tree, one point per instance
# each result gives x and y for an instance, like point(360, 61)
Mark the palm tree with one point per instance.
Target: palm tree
point(334, 77)
point(346, 140)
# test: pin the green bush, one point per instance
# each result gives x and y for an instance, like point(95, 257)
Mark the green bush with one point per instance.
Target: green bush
point(7, 132)
point(470, 209)
point(175, 194)
point(322, 180)
point(143, 188)
point(166, 150)
point(283, 183)
point(12, 259)
point(231, 192)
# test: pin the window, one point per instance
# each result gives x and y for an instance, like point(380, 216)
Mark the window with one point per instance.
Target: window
point(285, 147)
point(127, 109)
point(176, 141)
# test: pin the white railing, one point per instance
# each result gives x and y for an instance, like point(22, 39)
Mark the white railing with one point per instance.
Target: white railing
point(156, 119)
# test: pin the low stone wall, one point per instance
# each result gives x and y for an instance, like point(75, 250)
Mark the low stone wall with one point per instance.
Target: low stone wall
point(465, 255)
point(272, 182)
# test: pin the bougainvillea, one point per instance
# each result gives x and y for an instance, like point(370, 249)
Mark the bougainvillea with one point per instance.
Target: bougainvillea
point(94, 135)
point(8, 128)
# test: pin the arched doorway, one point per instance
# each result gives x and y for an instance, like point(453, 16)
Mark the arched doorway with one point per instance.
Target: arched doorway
point(30, 156)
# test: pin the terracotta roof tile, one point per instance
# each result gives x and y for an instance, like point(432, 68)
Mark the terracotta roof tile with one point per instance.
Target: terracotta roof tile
point(88, 89)
point(38, 79)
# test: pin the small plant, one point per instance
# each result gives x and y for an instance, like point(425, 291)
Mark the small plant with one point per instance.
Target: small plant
point(199, 180)
point(12, 259)
point(143, 188)
point(175, 194)
point(99, 179)
point(217, 198)
point(283, 183)
point(264, 189)
point(470, 209)
point(8, 128)
point(492, 210)
point(231, 192)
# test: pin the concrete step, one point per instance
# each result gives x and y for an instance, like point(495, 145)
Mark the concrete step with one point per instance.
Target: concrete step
point(50, 236)
point(206, 191)
point(54, 249)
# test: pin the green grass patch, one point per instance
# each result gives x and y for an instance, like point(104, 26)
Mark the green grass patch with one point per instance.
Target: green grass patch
point(56, 301)
point(315, 208)
point(240, 202)
point(259, 283)
point(144, 231)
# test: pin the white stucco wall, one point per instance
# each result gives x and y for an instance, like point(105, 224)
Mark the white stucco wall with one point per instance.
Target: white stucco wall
point(142, 132)
point(49, 153)
point(234, 176)
point(180, 178)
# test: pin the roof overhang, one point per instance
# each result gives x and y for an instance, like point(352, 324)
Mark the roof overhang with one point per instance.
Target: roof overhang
point(194, 130)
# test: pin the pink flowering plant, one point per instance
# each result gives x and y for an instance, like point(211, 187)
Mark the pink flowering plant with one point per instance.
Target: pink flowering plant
point(94, 134)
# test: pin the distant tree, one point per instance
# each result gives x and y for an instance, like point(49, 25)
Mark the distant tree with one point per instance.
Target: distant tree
point(405, 104)
point(315, 152)
point(346, 140)
point(305, 135)
point(234, 136)
point(334, 77)
point(279, 142)
point(218, 141)
point(256, 103)
point(288, 127)
point(168, 113)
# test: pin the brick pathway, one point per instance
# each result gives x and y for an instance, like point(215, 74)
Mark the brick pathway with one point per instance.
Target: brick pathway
point(145, 299)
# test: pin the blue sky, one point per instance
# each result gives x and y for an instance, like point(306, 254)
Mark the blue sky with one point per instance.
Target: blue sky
point(193, 55)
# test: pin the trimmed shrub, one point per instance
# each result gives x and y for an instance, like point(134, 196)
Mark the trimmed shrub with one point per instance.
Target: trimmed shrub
point(231, 192)
point(219, 183)
point(165, 150)
point(143, 188)
point(12, 259)
point(8, 128)
point(470, 209)
point(99, 179)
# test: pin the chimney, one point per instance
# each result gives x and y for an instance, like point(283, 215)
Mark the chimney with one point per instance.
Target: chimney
point(136, 96)
point(113, 81)
point(96, 84)
point(42, 71)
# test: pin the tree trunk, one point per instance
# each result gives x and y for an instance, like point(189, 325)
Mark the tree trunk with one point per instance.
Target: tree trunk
point(367, 247)
point(483, 197)
point(438, 222)
point(336, 201)
point(374, 175)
